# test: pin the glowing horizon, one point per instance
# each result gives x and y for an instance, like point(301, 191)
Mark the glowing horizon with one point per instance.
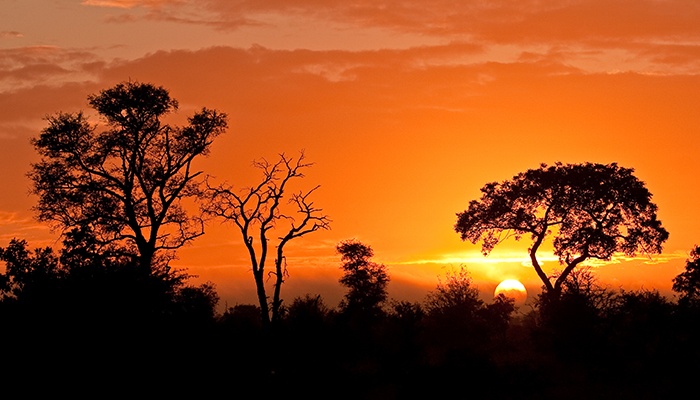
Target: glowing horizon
point(406, 112)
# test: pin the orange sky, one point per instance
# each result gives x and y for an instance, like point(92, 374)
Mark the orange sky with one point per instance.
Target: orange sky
point(406, 108)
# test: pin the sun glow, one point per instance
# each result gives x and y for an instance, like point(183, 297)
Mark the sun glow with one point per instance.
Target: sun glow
point(475, 257)
point(512, 288)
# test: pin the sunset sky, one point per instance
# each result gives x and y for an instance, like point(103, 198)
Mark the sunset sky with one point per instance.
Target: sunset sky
point(406, 108)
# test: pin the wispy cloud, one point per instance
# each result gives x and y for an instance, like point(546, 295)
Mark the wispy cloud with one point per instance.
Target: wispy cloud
point(471, 258)
point(10, 35)
point(128, 3)
point(16, 226)
point(43, 65)
point(641, 35)
point(516, 258)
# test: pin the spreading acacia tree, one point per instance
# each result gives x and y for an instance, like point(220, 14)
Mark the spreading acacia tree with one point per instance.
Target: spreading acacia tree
point(257, 212)
point(126, 179)
point(592, 211)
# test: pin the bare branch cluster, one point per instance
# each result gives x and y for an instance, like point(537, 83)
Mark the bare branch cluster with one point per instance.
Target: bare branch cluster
point(257, 212)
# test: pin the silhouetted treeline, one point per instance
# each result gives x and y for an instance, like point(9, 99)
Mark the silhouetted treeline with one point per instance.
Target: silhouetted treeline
point(74, 319)
point(107, 316)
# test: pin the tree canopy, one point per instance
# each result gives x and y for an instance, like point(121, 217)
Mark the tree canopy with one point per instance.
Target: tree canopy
point(687, 283)
point(125, 180)
point(592, 211)
point(366, 281)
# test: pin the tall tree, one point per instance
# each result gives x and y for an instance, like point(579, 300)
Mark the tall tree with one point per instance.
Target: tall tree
point(591, 210)
point(257, 213)
point(366, 281)
point(125, 180)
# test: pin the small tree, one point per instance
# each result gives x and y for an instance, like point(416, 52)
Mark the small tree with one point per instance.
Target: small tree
point(366, 281)
point(125, 183)
point(592, 210)
point(458, 323)
point(456, 294)
point(256, 212)
point(307, 312)
point(687, 283)
point(30, 277)
point(576, 315)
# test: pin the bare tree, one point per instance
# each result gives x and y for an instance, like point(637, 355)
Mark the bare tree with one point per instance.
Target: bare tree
point(257, 212)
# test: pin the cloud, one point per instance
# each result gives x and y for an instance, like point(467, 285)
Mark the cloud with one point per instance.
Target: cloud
point(655, 259)
point(10, 35)
point(25, 67)
point(19, 226)
point(173, 11)
point(594, 35)
point(29, 105)
point(681, 55)
point(128, 3)
point(646, 36)
point(493, 21)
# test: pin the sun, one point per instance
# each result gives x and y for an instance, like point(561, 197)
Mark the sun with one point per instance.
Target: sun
point(512, 288)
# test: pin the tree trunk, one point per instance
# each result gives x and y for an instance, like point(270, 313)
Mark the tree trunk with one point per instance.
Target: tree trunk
point(262, 297)
point(279, 279)
point(145, 260)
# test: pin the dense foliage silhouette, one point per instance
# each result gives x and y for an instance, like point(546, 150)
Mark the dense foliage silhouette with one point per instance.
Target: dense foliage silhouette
point(366, 281)
point(687, 283)
point(126, 180)
point(104, 319)
point(592, 211)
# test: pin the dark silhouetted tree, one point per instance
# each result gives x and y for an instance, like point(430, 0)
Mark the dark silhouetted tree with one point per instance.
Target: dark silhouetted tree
point(100, 313)
point(456, 295)
point(576, 316)
point(498, 313)
point(257, 213)
point(243, 339)
point(82, 287)
point(125, 181)
point(366, 281)
point(687, 283)
point(31, 277)
point(82, 250)
point(308, 312)
point(456, 300)
point(88, 300)
point(460, 328)
point(406, 312)
point(642, 319)
point(582, 287)
point(644, 337)
point(244, 318)
point(592, 211)
point(307, 324)
point(196, 305)
point(402, 332)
